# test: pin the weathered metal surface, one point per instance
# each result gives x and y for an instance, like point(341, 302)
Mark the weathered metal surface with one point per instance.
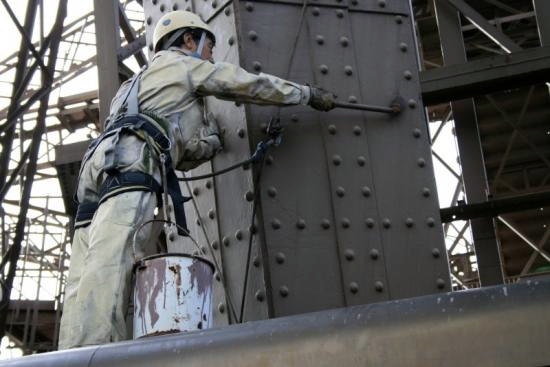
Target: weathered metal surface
point(494, 326)
point(335, 225)
point(173, 293)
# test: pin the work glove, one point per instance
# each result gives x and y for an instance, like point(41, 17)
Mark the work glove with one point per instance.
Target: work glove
point(321, 99)
point(213, 128)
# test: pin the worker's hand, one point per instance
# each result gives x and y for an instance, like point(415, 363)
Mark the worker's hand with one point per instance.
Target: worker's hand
point(321, 99)
point(214, 128)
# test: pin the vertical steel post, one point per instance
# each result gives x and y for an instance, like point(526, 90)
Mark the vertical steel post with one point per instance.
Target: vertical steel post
point(471, 154)
point(542, 12)
point(107, 44)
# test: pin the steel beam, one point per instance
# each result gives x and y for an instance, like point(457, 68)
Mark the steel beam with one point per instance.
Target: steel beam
point(471, 154)
point(497, 326)
point(491, 74)
point(495, 207)
point(542, 12)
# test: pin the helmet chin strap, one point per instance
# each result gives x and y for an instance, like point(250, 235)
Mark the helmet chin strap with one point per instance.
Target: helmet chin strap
point(198, 51)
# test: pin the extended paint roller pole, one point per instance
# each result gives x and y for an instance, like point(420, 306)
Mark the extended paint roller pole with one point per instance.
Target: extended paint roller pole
point(394, 109)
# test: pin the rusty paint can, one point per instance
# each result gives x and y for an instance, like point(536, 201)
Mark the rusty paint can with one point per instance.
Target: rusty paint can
point(173, 293)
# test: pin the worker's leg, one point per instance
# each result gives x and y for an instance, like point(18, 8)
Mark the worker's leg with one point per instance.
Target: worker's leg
point(70, 323)
point(105, 282)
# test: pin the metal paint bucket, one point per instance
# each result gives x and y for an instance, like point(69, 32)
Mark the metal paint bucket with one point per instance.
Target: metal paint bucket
point(173, 293)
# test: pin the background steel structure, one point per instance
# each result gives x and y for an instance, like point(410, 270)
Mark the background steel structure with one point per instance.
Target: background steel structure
point(482, 73)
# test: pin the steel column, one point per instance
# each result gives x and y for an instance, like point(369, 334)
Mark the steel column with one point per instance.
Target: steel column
point(107, 30)
point(471, 155)
point(542, 12)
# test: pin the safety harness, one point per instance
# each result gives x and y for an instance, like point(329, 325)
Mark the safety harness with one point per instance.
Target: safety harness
point(129, 119)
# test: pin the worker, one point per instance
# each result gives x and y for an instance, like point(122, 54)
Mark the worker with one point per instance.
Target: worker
point(158, 122)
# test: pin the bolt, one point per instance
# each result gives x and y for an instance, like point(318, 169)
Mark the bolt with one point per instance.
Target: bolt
point(398, 19)
point(412, 103)
point(348, 70)
point(196, 191)
point(315, 11)
point(211, 214)
point(257, 65)
point(162, 8)
point(381, 3)
point(249, 196)
point(249, 6)
point(275, 224)
point(340, 191)
point(239, 235)
point(256, 262)
point(421, 162)
point(280, 258)
point(407, 74)
point(344, 41)
point(221, 307)
point(340, 13)
point(325, 223)
point(227, 11)
point(300, 224)
point(324, 69)
point(353, 287)
point(272, 192)
point(430, 222)
point(149, 20)
point(369, 222)
point(361, 161)
point(283, 291)
point(436, 252)
point(365, 190)
point(352, 99)
point(336, 160)
point(345, 222)
point(171, 237)
point(320, 39)
point(253, 35)
point(409, 222)
point(208, 184)
point(417, 133)
point(374, 254)
point(357, 130)
point(332, 129)
point(215, 245)
point(440, 283)
point(386, 223)
point(426, 192)
point(349, 254)
point(241, 133)
point(231, 41)
point(260, 296)
point(225, 241)
point(214, 4)
point(403, 47)
point(379, 286)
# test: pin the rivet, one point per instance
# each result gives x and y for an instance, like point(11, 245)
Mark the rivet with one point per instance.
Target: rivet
point(256, 262)
point(421, 162)
point(357, 130)
point(374, 254)
point(353, 287)
point(369, 222)
point(430, 222)
point(436, 252)
point(365, 190)
point(412, 103)
point(175, 7)
point(361, 160)
point(403, 47)
point(323, 68)
point(348, 70)
point(283, 291)
point(239, 235)
point(155, 2)
point(171, 237)
point(320, 39)
point(340, 13)
point(162, 8)
point(249, 6)
point(399, 19)
point(409, 222)
point(149, 20)
point(440, 283)
point(325, 223)
point(386, 223)
point(344, 41)
point(300, 223)
point(269, 160)
point(417, 133)
point(272, 192)
point(315, 11)
point(349, 254)
point(257, 65)
point(217, 276)
point(211, 214)
point(280, 258)
point(336, 160)
point(150, 47)
point(227, 11)
point(352, 99)
point(379, 286)
point(198, 222)
point(381, 3)
point(340, 191)
point(231, 41)
point(426, 192)
point(345, 222)
point(215, 245)
point(249, 196)
point(275, 224)
point(214, 4)
point(354, 2)
point(294, 117)
point(225, 241)
point(332, 129)
point(253, 35)
point(196, 191)
point(221, 307)
point(253, 229)
point(407, 74)
point(241, 133)
point(259, 295)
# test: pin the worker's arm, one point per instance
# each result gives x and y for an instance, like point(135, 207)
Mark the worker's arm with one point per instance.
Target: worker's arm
point(231, 82)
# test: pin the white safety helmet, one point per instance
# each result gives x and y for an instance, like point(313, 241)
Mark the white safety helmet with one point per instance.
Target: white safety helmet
point(178, 19)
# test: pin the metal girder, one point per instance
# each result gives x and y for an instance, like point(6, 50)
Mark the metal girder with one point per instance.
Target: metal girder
point(495, 73)
point(471, 154)
point(484, 26)
point(542, 11)
point(493, 208)
point(498, 326)
point(525, 239)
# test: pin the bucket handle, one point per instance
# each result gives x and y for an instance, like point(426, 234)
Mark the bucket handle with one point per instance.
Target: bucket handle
point(160, 221)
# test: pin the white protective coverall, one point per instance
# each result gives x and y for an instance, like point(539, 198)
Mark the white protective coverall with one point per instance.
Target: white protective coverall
point(98, 285)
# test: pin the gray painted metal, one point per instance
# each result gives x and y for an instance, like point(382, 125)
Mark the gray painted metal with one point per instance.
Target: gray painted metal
point(493, 326)
point(471, 155)
point(335, 226)
point(486, 75)
point(107, 42)
point(542, 12)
